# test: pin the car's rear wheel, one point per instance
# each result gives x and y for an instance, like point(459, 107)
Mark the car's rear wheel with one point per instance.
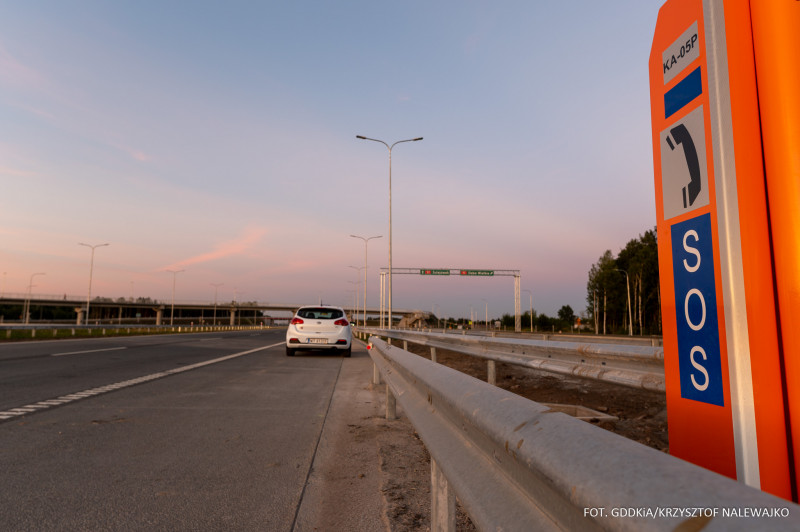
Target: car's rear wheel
point(289, 352)
point(348, 352)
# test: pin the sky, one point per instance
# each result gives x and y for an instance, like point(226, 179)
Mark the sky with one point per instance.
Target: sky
point(219, 138)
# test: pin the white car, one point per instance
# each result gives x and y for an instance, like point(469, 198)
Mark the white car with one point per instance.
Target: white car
point(319, 327)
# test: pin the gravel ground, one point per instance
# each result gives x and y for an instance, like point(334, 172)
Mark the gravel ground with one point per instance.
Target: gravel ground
point(642, 416)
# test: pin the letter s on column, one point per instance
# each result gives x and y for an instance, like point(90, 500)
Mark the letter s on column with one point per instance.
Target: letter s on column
point(699, 368)
point(693, 251)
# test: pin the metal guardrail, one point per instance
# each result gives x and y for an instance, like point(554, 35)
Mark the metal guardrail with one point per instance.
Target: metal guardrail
point(637, 366)
point(554, 336)
point(43, 331)
point(516, 465)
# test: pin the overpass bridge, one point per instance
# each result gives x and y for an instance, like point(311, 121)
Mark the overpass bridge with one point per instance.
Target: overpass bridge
point(22, 309)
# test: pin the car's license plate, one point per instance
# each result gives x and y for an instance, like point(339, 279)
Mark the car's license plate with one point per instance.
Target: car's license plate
point(317, 340)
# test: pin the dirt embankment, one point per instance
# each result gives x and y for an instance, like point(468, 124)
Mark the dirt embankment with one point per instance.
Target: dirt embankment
point(642, 416)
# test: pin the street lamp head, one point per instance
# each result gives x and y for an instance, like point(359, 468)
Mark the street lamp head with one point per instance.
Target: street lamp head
point(416, 139)
point(362, 137)
point(366, 238)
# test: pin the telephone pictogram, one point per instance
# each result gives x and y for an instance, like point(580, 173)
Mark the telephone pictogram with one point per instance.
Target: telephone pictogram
point(682, 137)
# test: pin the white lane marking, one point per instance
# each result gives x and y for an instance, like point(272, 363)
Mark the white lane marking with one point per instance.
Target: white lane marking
point(89, 351)
point(69, 398)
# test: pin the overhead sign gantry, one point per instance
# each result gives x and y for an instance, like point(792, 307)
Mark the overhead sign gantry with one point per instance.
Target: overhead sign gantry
point(465, 273)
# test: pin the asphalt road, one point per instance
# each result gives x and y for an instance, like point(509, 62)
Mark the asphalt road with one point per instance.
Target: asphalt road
point(226, 445)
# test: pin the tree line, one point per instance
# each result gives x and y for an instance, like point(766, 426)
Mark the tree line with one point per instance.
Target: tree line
point(631, 276)
point(565, 321)
point(622, 294)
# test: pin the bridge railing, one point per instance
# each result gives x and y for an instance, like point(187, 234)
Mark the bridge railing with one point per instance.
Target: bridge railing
point(516, 465)
point(637, 366)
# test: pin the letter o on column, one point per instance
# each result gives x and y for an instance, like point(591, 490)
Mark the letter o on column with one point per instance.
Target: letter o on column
point(699, 294)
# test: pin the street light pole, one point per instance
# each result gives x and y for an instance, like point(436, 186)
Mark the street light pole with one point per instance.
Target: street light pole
point(530, 294)
point(357, 283)
point(390, 210)
point(236, 293)
point(216, 287)
point(91, 268)
point(366, 241)
point(630, 310)
point(27, 305)
point(172, 310)
point(382, 298)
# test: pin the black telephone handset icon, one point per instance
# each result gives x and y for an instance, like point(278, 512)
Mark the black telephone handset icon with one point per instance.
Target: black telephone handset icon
point(682, 137)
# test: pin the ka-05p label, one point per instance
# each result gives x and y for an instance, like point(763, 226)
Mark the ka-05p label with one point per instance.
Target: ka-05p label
point(681, 53)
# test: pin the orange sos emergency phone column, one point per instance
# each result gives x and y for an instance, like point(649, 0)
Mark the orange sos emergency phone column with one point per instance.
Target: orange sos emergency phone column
point(722, 358)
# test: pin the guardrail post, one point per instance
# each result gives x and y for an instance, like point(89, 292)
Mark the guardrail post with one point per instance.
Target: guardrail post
point(405, 345)
point(391, 404)
point(443, 501)
point(376, 375)
point(491, 373)
point(433, 354)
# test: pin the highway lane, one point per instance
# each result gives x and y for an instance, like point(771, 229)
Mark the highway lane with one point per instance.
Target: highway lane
point(32, 371)
point(227, 445)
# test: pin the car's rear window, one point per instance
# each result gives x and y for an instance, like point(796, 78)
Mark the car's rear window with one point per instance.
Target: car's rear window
point(320, 313)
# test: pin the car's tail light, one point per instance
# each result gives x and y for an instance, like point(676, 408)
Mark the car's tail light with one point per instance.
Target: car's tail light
point(297, 321)
point(342, 322)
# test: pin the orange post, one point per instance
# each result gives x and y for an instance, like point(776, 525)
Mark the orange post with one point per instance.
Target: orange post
point(776, 32)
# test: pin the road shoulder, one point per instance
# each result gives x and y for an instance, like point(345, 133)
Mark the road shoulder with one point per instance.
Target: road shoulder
point(344, 488)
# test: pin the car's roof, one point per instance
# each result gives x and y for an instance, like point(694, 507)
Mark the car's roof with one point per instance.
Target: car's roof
point(319, 307)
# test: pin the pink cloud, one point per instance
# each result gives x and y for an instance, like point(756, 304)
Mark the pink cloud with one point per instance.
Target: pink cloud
point(14, 172)
point(14, 72)
point(237, 246)
point(36, 111)
point(133, 153)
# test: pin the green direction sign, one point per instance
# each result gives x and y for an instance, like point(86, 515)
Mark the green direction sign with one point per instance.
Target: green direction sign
point(481, 273)
point(434, 272)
